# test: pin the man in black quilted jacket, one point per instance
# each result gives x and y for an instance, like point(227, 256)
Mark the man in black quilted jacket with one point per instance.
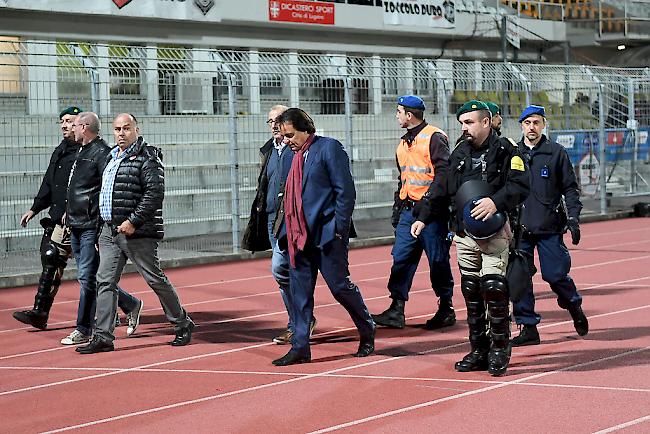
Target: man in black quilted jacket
point(130, 208)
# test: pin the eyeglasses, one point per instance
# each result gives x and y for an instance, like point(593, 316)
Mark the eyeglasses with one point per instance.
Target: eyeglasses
point(272, 121)
point(79, 125)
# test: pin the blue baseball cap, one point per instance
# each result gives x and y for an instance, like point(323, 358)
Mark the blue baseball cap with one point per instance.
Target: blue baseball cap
point(532, 110)
point(411, 101)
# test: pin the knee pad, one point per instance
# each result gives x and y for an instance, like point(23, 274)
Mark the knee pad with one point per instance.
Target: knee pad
point(495, 287)
point(50, 255)
point(471, 288)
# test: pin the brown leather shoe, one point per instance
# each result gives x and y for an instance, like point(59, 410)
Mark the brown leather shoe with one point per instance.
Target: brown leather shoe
point(284, 338)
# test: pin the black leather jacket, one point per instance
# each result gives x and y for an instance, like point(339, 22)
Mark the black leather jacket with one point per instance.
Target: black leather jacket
point(82, 210)
point(52, 192)
point(139, 190)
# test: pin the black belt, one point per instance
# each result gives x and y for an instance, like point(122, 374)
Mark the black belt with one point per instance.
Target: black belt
point(408, 204)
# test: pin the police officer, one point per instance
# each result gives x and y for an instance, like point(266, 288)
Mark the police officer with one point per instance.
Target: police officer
point(483, 235)
point(497, 120)
point(55, 243)
point(544, 219)
point(423, 161)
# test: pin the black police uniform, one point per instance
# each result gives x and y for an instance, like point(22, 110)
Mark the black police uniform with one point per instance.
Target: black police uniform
point(544, 220)
point(505, 172)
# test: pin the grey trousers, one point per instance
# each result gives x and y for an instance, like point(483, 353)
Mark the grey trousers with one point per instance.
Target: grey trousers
point(143, 253)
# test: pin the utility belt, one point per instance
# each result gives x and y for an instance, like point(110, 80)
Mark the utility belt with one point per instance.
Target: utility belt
point(409, 203)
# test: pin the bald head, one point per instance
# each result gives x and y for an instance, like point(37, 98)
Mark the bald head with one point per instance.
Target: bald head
point(91, 121)
point(125, 130)
point(85, 127)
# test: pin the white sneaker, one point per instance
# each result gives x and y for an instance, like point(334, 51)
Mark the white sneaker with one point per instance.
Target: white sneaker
point(133, 319)
point(75, 338)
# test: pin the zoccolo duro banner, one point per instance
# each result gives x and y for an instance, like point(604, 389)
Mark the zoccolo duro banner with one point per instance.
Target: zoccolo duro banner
point(421, 13)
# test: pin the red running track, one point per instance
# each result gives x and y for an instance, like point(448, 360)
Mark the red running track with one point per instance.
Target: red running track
point(224, 381)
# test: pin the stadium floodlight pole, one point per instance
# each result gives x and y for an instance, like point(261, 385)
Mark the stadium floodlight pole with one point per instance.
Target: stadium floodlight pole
point(234, 148)
point(92, 73)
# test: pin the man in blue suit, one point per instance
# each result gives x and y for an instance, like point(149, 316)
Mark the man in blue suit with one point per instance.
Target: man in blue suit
point(318, 203)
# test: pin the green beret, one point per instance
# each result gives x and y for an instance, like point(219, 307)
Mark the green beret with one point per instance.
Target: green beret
point(471, 106)
point(70, 111)
point(494, 109)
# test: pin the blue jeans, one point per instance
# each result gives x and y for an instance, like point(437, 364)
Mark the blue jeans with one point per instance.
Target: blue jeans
point(407, 252)
point(280, 269)
point(83, 248)
point(555, 263)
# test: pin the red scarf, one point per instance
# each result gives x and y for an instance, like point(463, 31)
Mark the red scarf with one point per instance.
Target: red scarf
point(293, 212)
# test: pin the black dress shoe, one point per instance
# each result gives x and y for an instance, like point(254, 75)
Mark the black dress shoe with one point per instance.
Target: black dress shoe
point(291, 358)
point(183, 335)
point(97, 345)
point(366, 345)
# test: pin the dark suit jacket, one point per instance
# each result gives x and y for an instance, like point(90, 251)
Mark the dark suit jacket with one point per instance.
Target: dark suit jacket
point(328, 192)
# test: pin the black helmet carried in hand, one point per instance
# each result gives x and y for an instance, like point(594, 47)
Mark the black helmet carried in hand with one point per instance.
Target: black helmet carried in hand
point(466, 197)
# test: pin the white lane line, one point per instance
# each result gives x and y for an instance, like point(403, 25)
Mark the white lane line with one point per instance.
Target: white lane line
point(624, 425)
point(473, 392)
point(30, 353)
point(197, 285)
point(282, 382)
point(320, 375)
point(363, 264)
point(342, 376)
point(11, 356)
point(548, 295)
point(248, 389)
point(257, 346)
point(599, 264)
point(58, 303)
point(239, 297)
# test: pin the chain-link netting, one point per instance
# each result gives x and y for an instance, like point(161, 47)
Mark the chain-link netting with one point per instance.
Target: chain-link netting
point(207, 110)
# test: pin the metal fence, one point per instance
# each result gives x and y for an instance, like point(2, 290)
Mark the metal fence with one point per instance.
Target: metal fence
point(207, 109)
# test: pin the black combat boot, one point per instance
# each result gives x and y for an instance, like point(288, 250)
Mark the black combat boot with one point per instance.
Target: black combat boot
point(477, 359)
point(580, 321)
point(495, 288)
point(444, 317)
point(392, 317)
point(527, 336)
point(54, 262)
point(38, 316)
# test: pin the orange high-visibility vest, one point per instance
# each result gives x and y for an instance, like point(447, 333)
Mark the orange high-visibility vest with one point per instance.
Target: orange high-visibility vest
point(417, 171)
